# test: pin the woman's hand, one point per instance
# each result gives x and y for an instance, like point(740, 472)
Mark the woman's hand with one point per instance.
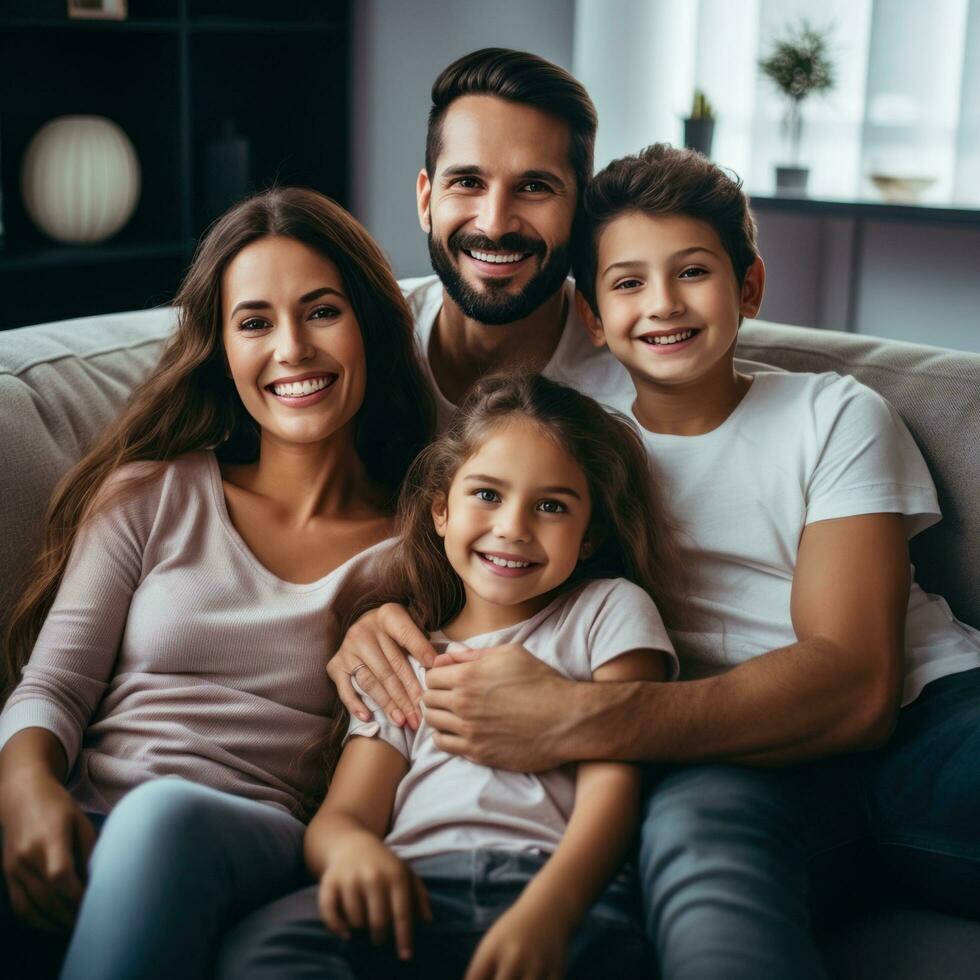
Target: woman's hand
point(501, 707)
point(47, 841)
point(525, 943)
point(377, 647)
point(366, 887)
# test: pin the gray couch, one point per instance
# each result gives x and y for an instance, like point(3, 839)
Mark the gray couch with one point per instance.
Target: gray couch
point(61, 383)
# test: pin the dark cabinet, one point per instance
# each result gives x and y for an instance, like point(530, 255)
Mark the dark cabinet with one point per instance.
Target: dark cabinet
point(194, 84)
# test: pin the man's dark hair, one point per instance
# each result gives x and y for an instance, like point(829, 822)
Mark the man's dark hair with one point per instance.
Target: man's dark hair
point(662, 180)
point(523, 78)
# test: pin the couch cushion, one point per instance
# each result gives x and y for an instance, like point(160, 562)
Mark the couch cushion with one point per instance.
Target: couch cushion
point(937, 392)
point(60, 385)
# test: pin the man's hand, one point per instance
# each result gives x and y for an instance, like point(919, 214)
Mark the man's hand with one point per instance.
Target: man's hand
point(377, 647)
point(499, 706)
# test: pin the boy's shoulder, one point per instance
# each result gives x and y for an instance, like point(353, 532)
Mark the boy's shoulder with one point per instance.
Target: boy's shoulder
point(821, 391)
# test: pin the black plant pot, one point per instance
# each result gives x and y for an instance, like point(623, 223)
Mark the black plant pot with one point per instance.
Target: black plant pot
point(791, 181)
point(698, 134)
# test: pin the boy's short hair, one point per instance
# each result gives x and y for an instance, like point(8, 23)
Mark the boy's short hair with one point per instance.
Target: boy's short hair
point(526, 79)
point(663, 180)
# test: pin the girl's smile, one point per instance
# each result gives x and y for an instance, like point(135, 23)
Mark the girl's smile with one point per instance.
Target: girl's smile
point(513, 524)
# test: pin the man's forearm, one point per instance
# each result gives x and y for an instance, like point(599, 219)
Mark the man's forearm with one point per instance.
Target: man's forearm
point(796, 703)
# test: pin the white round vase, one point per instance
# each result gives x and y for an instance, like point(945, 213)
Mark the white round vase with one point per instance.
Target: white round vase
point(80, 178)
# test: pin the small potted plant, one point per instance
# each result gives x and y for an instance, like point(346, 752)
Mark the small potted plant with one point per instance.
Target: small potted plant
point(798, 65)
point(699, 127)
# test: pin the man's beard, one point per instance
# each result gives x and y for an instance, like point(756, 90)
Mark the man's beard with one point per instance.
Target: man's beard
point(494, 305)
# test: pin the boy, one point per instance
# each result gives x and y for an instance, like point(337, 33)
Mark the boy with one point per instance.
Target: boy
point(797, 493)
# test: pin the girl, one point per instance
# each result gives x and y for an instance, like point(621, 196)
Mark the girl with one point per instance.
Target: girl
point(178, 615)
point(531, 521)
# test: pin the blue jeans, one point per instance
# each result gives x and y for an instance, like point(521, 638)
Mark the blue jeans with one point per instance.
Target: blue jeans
point(468, 891)
point(728, 853)
point(175, 865)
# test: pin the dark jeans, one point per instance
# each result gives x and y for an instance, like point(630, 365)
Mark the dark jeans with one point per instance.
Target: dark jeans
point(468, 891)
point(730, 854)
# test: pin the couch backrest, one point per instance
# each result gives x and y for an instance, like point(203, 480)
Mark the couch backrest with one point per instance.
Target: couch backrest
point(937, 392)
point(60, 385)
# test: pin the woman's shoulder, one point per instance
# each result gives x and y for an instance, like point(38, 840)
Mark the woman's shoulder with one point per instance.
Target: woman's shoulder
point(143, 486)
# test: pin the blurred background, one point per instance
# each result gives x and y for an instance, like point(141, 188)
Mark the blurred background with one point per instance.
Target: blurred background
point(854, 124)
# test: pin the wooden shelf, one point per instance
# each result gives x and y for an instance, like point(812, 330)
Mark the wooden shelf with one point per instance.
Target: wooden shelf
point(79, 255)
point(36, 23)
point(225, 25)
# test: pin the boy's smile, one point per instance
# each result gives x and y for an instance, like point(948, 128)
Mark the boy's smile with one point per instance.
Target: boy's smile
point(669, 302)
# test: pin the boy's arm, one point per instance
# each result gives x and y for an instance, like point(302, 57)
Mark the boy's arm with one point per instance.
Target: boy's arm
point(836, 689)
point(600, 829)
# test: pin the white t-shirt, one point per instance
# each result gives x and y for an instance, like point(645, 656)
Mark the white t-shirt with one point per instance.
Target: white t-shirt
point(445, 803)
point(799, 448)
point(575, 362)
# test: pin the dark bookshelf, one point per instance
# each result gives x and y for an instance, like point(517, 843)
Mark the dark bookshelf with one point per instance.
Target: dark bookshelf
point(172, 75)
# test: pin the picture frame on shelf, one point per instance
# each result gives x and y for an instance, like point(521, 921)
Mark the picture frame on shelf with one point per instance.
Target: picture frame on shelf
point(97, 9)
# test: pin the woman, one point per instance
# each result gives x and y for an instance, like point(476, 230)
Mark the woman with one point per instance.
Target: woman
point(177, 617)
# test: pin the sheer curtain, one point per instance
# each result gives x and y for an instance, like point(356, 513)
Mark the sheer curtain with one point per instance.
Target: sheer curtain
point(906, 100)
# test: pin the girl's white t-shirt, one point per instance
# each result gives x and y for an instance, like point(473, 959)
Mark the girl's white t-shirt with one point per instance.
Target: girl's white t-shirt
point(447, 804)
point(799, 448)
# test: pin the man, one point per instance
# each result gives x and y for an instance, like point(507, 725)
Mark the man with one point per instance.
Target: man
point(725, 845)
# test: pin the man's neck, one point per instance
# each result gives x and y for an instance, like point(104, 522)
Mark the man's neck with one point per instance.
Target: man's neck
point(462, 350)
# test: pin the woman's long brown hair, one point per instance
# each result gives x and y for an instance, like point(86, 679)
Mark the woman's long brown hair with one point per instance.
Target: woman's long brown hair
point(188, 403)
point(629, 530)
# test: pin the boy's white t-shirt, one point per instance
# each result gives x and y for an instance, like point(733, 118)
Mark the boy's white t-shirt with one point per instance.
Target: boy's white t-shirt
point(799, 448)
point(575, 362)
point(445, 803)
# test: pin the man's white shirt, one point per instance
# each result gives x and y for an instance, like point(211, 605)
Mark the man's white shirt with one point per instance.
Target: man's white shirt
point(575, 362)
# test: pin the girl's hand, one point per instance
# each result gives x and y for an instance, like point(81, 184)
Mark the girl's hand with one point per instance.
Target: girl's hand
point(377, 646)
point(523, 944)
point(366, 887)
point(47, 841)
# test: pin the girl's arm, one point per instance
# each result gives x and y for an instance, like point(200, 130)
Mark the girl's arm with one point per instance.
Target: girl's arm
point(362, 884)
point(536, 930)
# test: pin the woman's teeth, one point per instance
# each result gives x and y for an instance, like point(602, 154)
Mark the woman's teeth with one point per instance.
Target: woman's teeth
point(505, 563)
point(497, 257)
point(674, 338)
point(295, 389)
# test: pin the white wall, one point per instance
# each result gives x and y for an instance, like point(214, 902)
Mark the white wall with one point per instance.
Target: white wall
point(399, 46)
